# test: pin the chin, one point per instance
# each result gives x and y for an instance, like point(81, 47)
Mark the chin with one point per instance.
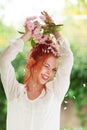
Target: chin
point(43, 82)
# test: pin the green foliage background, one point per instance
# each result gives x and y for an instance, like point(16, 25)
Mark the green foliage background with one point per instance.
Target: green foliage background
point(76, 32)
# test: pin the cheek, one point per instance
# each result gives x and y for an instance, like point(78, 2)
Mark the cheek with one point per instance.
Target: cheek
point(53, 75)
point(43, 70)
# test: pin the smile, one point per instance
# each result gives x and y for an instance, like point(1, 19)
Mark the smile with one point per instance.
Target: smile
point(44, 77)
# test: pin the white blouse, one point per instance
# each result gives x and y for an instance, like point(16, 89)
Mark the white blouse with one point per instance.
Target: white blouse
point(42, 113)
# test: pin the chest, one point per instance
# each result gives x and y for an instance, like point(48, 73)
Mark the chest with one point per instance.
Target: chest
point(23, 106)
point(23, 112)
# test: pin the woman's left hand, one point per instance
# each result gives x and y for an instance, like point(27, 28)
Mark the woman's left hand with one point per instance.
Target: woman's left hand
point(48, 18)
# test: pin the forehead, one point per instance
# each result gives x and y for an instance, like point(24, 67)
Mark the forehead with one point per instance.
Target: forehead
point(52, 61)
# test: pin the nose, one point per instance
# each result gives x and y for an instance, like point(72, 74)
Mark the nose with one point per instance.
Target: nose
point(49, 72)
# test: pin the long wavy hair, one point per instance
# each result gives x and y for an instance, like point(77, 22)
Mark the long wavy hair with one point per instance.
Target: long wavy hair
point(36, 58)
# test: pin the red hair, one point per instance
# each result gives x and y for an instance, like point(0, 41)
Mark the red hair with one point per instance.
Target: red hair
point(36, 58)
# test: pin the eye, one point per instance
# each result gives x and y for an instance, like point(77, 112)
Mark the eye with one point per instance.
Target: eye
point(45, 65)
point(55, 70)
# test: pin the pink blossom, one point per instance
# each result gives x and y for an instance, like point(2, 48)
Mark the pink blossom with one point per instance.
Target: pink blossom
point(29, 23)
point(30, 26)
point(45, 37)
point(36, 31)
point(36, 23)
point(43, 18)
point(37, 37)
point(31, 18)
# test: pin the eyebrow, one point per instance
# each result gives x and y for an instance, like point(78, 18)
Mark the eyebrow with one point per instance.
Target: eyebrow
point(49, 66)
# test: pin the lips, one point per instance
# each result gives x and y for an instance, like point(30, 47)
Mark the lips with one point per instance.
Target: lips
point(45, 77)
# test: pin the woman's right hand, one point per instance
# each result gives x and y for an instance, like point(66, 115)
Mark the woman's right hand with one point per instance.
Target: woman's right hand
point(26, 36)
point(29, 24)
point(29, 27)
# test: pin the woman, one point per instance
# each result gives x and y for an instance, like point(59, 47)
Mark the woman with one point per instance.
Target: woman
point(36, 104)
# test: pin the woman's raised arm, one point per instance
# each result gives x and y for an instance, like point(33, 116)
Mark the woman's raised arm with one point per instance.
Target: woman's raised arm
point(62, 79)
point(7, 72)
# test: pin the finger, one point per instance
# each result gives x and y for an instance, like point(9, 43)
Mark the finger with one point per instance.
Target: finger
point(45, 12)
point(42, 13)
point(46, 15)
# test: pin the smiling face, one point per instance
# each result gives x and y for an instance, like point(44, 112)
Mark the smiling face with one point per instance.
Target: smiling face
point(48, 70)
point(42, 64)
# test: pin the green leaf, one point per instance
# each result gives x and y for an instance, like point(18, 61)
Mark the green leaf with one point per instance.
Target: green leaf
point(33, 43)
point(20, 32)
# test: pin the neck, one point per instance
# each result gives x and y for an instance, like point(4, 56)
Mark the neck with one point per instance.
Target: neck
point(34, 91)
point(35, 87)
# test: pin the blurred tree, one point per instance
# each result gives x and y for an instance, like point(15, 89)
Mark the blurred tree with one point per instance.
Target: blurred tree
point(75, 31)
point(75, 7)
point(4, 41)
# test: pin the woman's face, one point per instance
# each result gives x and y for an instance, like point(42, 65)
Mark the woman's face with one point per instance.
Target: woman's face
point(48, 70)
